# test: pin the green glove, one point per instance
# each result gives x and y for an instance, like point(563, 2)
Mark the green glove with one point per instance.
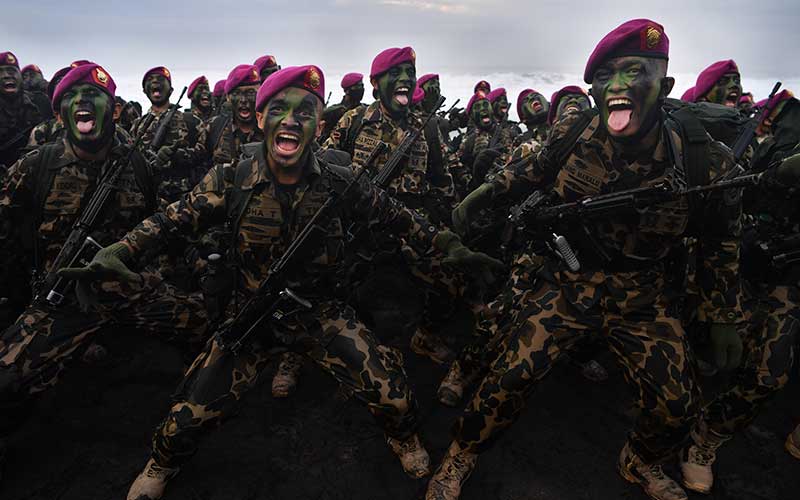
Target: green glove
point(107, 265)
point(165, 154)
point(726, 346)
point(460, 256)
point(471, 205)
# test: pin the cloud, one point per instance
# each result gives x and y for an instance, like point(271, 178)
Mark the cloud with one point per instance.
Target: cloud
point(442, 6)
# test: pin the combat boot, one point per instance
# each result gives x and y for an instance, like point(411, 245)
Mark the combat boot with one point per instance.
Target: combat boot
point(285, 380)
point(412, 454)
point(150, 483)
point(451, 475)
point(697, 458)
point(651, 477)
point(431, 346)
point(452, 388)
point(793, 443)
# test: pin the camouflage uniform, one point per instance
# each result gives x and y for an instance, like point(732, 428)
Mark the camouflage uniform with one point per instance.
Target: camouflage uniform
point(229, 143)
point(537, 133)
point(549, 308)
point(15, 120)
point(332, 115)
point(462, 163)
point(53, 130)
point(330, 334)
point(34, 350)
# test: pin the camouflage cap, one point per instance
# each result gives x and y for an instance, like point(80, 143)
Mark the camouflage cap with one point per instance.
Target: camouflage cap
point(391, 57)
point(9, 59)
point(243, 74)
point(711, 75)
point(197, 81)
point(637, 37)
point(161, 70)
point(309, 78)
point(93, 74)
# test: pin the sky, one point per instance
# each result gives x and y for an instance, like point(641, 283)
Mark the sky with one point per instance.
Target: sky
point(541, 44)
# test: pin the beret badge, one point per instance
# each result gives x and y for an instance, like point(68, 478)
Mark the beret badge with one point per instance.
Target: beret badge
point(413, 56)
point(312, 79)
point(166, 72)
point(10, 59)
point(101, 77)
point(652, 37)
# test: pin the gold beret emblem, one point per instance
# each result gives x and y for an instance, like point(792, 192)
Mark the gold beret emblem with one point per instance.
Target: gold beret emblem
point(10, 59)
point(652, 36)
point(313, 79)
point(413, 56)
point(101, 76)
point(255, 74)
point(166, 72)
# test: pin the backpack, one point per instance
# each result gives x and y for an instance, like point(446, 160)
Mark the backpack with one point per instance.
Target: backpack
point(722, 123)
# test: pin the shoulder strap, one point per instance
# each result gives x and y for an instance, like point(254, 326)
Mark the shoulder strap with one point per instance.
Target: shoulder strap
point(355, 128)
point(695, 144)
point(44, 178)
point(145, 181)
point(218, 127)
point(560, 151)
point(237, 198)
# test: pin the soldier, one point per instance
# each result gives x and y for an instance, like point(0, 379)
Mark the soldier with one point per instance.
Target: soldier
point(201, 111)
point(353, 87)
point(781, 129)
point(746, 104)
point(624, 143)
point(431, 87)
point(176, 159)
point(18, 113)
point(266, 65)
point(719, 83)
point(219, 96)
point(499, 101)
point(482, 87)
point(532, 109)
point(46, 191)
point(47, 131)
point(570, 99)
point(282, 185)
point(421, 183)
point(34, 83)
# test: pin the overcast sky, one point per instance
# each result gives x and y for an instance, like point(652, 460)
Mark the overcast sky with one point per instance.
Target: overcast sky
point(546, 41)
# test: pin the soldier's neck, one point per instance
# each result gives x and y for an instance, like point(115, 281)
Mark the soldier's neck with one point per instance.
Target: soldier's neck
point(85, 155)
point(399, 119)
point(160, 108)
point(245, 127)
point(634, 146)
point(287, 175)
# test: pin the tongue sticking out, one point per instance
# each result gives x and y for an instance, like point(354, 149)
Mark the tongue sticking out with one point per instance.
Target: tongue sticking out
point(619, 119)
point(85, 127)
point(402, 99)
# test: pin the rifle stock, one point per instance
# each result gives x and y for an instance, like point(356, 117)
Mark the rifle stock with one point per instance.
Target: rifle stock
point(161, 134)
point(749, 131)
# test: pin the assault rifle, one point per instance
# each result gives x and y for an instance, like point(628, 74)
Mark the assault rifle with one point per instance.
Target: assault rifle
point(161, 134)
point(328, 99)
point(538, 216)
point(749, 130)
point(273, 299)
point(80, 248)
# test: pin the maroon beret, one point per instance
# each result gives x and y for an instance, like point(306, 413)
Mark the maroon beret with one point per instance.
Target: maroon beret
point(418, 96)
point(482, 83)
point(93, 74)
point(161, 70)
point(688, 96)
point(638, 37)
point(79, 62)
point(709, 76)
point(309, 78)
point(521, 98)
point(569, 89)
point(495, 94)
point(746, 97)
point(783, 95)
point(265, 62)
point(243, 74)
point(31, 67)
point(426, 78)
point(8, 59)
point(57, 76)
point(219, 88)
point(472, 100)
point(351, 79)
point(390, 58)
point(197, 81)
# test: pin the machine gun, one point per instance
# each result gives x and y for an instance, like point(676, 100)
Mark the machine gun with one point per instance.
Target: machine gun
point(538, 216)
point(274, 299)
point(161, 133)
point(749, 130)
point(80, 248)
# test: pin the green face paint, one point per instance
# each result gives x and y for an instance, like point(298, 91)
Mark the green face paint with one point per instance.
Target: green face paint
point(534, 109)
point(395, 88)
point(726, 91)
point(243, 104)
point(10, 81)
point(268, 71)
point(482, 115)
point(31, 80)
point(201, 97)
point(88, 116)
point(572, 103)
point(290, 124)
point(628, 92)
point(158, 89)
point(500, 107)
point(432, 94)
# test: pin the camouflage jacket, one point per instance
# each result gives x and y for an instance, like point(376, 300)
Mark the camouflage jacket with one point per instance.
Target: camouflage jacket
point(462, 161)
point(195, 120)
point(594, 166)
point(537, 133)
point(228, 145)
point(71, 188)
point(53, 130)
point(332, 115)
point(414, 182)
point(13, 122)
point(274, 215)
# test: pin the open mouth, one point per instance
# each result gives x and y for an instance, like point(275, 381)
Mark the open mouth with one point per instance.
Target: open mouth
point(619, 113)
point(84, 121)
point(536, 106)
point(245, 113)
point(504, 109)
point(401, 96)
point(155, 93)
point(204, 101)
point(572, 108)
point(486, 120)
point(287, 143)
point(732, 99)
point(9, 85)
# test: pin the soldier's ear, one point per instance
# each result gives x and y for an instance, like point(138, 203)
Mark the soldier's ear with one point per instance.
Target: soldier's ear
point(261, 119)
point(666, 86)
point(320, 128)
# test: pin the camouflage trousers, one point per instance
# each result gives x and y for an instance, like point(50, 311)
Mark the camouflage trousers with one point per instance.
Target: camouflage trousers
point(550, 314)
point(769, 336)
point(331, 336)
point(37, 347)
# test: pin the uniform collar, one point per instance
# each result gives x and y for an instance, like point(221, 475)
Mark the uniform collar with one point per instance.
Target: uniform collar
point(262, 175)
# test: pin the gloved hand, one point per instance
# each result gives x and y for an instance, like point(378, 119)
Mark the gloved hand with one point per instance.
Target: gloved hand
point(484, 161)
point(726, 346)
point(462, 257)
point(165, 154)
point(788, 172)
point(107, 265)
point(469, 206)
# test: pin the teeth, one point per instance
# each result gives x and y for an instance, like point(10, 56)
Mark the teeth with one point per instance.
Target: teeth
point(619, 102)
point(288, 136)
point(401, 90)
